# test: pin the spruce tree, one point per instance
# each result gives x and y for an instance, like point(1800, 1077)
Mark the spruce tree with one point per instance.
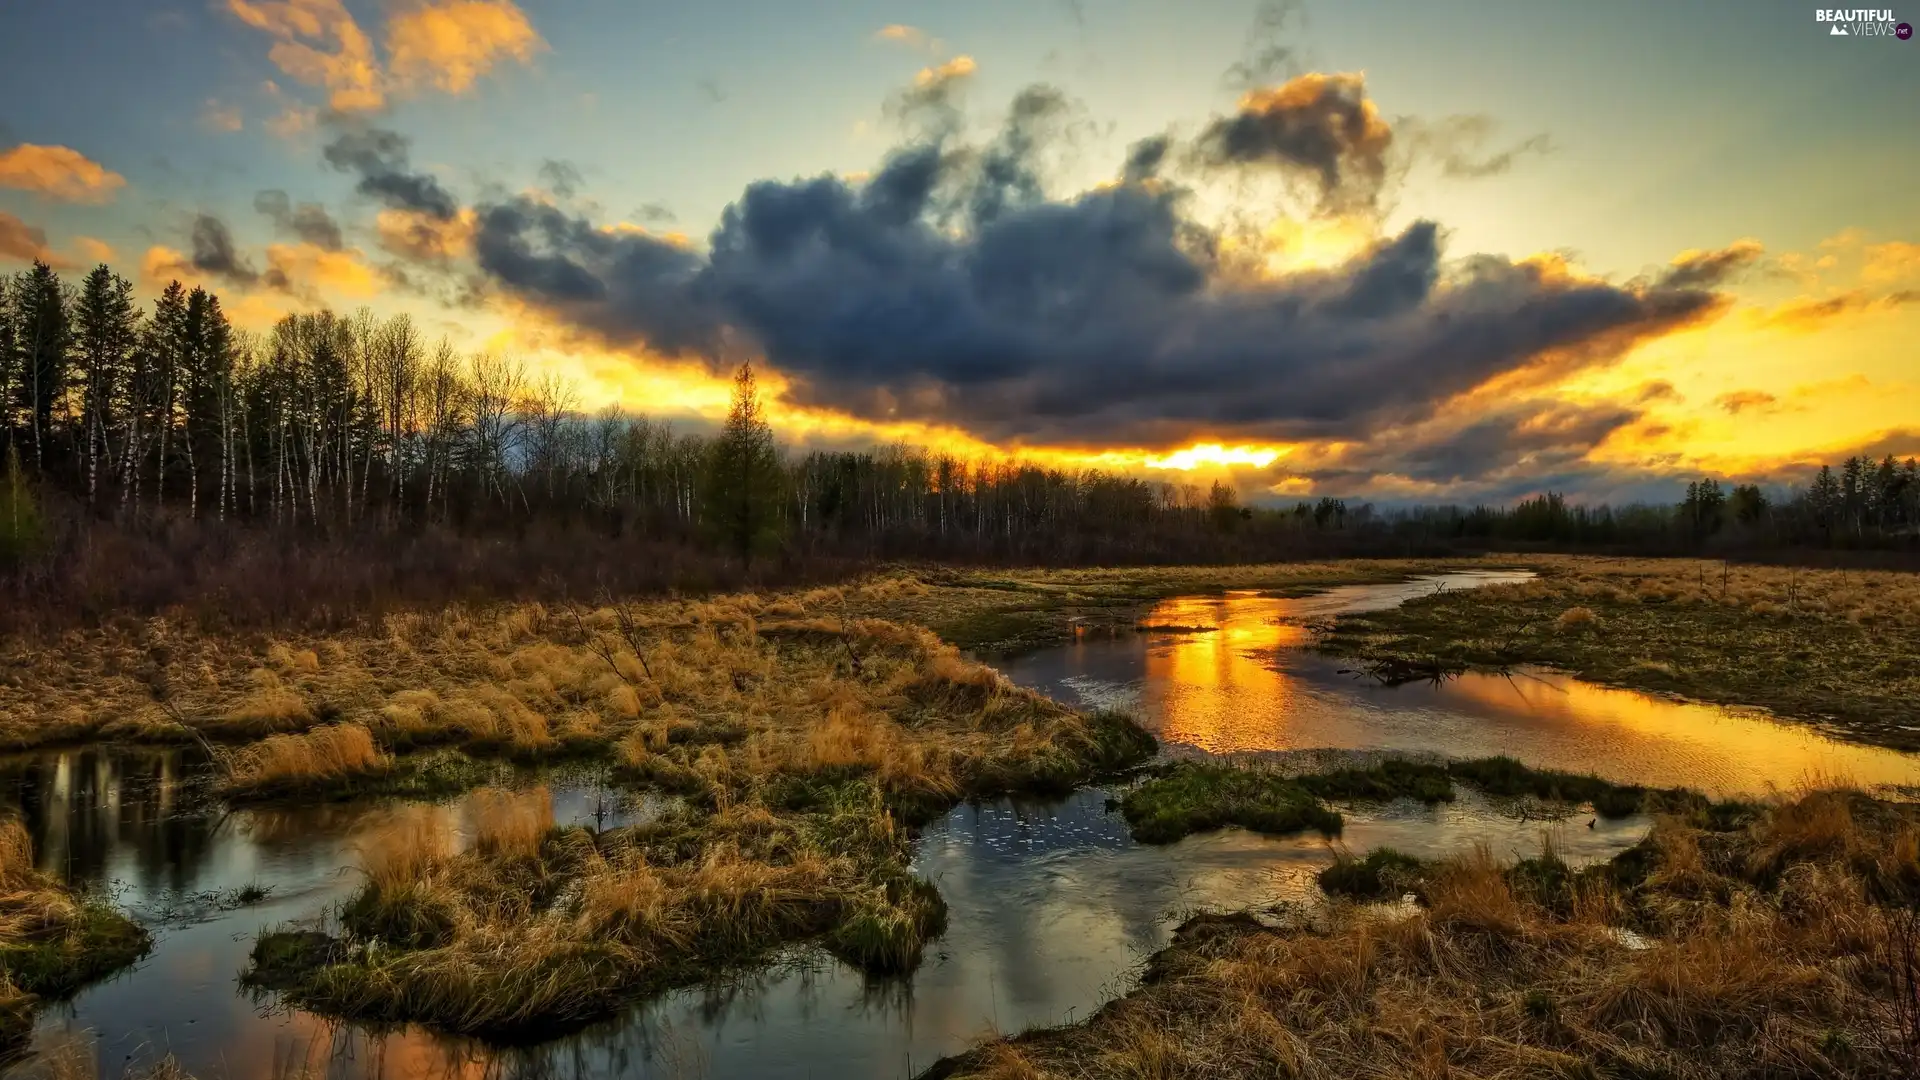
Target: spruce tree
point(743, 483)
point(106, 335)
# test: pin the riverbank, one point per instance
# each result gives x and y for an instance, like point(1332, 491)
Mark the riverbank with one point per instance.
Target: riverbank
point(1785, 946)
point(1840, 649)
point(52, 940)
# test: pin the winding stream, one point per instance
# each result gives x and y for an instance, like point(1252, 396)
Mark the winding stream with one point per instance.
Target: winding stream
point(1051, 904)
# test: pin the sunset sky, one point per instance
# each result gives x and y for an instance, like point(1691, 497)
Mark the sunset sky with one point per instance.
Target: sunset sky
point(1391, 250)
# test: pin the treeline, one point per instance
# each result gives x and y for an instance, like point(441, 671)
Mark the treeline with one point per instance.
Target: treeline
point(330, 423)
point(156, 455)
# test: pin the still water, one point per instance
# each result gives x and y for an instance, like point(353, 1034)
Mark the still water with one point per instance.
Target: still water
point(1052, 906)
point(1245, 686)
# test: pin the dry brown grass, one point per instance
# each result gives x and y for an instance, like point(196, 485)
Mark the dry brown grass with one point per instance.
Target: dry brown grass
point(404, 850)
point(510, 823)
point(52, 941)
point(533, 930)
point(1577, 618)
point(523, 679)
point(1758, 960)
point(320, 758)
point(1839, 646)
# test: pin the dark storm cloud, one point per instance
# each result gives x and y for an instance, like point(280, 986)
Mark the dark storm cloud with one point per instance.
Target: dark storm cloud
point(308, 221)
point(628, 286)
point(1009, 174)
point(214, 253)
point(1539, 438)
point(951, 287)
point(382, 160)
point(1317, 125)
point(1093, 319)
point(1144, 159)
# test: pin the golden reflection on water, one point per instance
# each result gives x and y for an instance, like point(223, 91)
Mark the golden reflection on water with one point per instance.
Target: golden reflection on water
point(1247, 687)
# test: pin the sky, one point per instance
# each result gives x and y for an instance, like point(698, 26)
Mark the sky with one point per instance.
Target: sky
point(1380, 248)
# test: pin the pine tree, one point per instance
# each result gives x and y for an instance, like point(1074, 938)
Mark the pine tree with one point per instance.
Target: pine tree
point(106, 333)
point(43, 338)
point(740, 499)
point(1824, 499)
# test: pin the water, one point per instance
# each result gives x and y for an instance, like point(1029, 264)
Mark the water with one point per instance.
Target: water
point(1051, 905)
point(1246, 687)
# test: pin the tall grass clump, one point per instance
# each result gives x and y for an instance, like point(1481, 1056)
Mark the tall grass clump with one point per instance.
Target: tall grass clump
point(324, 758)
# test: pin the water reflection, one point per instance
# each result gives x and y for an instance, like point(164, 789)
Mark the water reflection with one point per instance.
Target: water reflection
point(1247, 687)
point(1051, 904)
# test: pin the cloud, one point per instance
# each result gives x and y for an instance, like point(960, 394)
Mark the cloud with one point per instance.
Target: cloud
point(1695, 268)
point(447, 45)
point(945, 72)
point(1738, 401)
point(1510, 450)
point(1320, 126)
point(308, 221)
point(319, 43)
point(381, 158)
point(899, 34)
point(1656, 390)
point(450, 45)
point(308, 271)
point(1808, 313)
point(1270, 53)
point(1458, 144)
point(1890, 262)
point(25, 243)
point(214, 254)
point(58, 172)
point(1104, 318)
point(562, 178)
point(215, 116)
point(93, 250)
point(425, 238)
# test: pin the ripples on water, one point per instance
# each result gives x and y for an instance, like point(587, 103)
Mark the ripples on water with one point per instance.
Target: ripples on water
point(1051, 904)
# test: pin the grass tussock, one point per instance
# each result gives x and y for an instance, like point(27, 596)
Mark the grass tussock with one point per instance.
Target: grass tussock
point(323, 758)
point(52, 941)
point(533, 930)
point(1188, 797)
point(1839, 646)
point(1766, 949)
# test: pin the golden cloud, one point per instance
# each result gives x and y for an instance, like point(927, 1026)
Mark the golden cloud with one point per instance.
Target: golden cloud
point(308, 271)
point(320, 44)
point(25, 243)
point(957, 68)
point(900, 34)
point(423, 237)
point(1806, 313)
point(58, 172)
point(95, 251)
point(1893, 261)
point(1739, 401)
point(449, 46)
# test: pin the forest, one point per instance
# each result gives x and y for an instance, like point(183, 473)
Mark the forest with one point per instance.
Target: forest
point(159, 455)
